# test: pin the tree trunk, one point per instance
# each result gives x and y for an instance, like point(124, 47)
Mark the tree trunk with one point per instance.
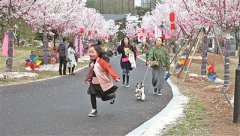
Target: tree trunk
point(2, 34)
point(10, 51)
point(60, 38)
point(10, 39)
point(18, 39)
point(54, 41)
point(237, 38)
point(204, 55)
point(226, 65)
point(45, 48)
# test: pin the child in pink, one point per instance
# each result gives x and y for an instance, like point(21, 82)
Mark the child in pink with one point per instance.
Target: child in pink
point(100, 76)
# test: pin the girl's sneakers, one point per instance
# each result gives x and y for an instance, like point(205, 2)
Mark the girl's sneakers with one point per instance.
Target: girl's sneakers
point(93, 113)
point(159, 92)
point(127, 85)
point(155, 90)
point(112, 101)
point(113, 98)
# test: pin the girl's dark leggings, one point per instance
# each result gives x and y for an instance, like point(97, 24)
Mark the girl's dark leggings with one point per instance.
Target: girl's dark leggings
point(69, 69)
point(105, 97)
point(93, 101)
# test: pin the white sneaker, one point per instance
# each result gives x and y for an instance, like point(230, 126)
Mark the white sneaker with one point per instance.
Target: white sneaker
point(127, 86)
point(160, 94)
point(93, 113)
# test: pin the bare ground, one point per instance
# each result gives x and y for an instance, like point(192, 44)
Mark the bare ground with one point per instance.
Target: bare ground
point(219, 120)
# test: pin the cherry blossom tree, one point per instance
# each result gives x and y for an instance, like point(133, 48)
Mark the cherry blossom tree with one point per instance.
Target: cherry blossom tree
point(218, 13)
point(54, 14)
point(192, 15)
point(66, 16)
point(13, 9)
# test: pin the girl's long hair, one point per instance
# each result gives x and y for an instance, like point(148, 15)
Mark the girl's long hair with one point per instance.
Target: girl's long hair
point(122, 41)
point(101, 54)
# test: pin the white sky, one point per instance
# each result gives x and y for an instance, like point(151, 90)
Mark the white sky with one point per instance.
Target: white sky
point(137, 3)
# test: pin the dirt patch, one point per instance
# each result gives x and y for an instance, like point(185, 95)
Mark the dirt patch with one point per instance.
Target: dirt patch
point(219, 120)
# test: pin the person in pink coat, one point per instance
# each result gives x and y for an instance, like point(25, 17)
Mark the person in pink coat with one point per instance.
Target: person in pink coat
point(100, 77)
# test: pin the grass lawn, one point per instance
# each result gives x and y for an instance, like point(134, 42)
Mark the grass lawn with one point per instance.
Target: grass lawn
point(188, 125)
point(18, 61)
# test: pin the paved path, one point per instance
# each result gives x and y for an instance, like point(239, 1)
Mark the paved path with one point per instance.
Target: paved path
point(60, 107)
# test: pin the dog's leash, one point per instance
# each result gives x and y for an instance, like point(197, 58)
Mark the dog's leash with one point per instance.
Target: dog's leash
point(146, 73)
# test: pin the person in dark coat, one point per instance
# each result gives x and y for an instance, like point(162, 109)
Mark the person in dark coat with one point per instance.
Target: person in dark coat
point(62, 49)
point(124, 49)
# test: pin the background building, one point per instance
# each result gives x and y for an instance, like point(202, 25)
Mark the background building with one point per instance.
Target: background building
point(119, 6)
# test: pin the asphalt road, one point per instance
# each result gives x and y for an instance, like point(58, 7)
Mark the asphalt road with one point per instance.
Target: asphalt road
point(60, 107)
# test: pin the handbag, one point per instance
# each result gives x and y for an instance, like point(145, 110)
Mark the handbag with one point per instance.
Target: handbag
point(125, 59)
point(154, 64)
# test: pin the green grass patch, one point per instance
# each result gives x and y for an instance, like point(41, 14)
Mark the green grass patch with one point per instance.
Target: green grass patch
point(26, 48)
point(22, 54)
point(190, 124)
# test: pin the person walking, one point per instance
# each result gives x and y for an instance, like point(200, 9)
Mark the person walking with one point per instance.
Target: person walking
point(62, 57)
point(125, 49)
point(71, 60)
point(159, 61)
point(100, 77)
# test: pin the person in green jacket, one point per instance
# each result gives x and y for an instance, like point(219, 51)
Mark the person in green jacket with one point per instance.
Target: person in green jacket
point(158, 53)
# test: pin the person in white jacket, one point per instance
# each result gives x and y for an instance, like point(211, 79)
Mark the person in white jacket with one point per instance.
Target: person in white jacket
point(71, 61)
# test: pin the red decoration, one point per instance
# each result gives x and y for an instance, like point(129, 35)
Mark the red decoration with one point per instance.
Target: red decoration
point(89, 33)
point(143, 30)
point(163, 36)
point(148, 34)
point(81, 30)
point(172, 17)
point(211, 68)
point(28, 64)
point(173, 26)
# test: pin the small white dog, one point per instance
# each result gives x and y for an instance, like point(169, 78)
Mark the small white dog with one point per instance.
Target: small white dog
point(139, 92)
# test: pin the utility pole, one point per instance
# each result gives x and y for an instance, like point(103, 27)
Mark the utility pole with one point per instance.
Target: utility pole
point(236, 110)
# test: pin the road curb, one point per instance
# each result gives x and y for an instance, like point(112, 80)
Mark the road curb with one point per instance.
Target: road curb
point(157, 124)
